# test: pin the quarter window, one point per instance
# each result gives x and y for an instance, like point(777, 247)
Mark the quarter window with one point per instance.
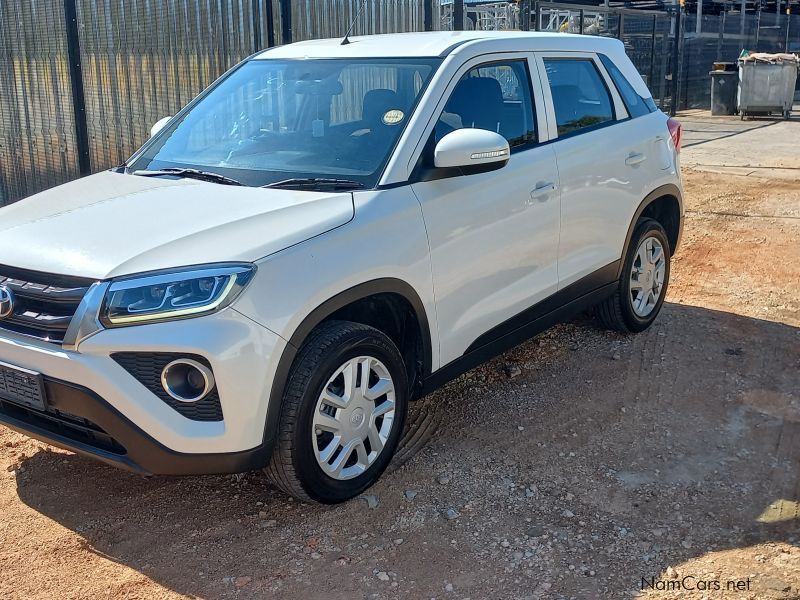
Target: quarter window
point(580, 95)
point(495, 96)
point(635, 104)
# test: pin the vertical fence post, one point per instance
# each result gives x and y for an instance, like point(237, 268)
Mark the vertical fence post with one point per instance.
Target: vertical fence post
point(537, 24)
point(270, 24)
point(742, 19)
point(525, 15)
point(286, 21)
point(673, 107)
point(652, 52)
point(758, 25)
point(76, 81)
point(458, 15)
point(721, 33)
point(683, 64)
point(581, 17)
point(223, 45)
point(427, 15)
point(257, 42)
point(662, 71)
point(620, 25)
point(698, 26)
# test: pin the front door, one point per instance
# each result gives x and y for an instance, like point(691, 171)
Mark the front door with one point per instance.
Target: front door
point(493, 236)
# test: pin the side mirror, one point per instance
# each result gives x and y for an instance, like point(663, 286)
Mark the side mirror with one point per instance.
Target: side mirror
point(471, 148)
point(160, 124)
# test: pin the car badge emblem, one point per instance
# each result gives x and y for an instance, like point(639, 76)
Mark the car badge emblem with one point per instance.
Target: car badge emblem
point(357, 418)
point(6, 302)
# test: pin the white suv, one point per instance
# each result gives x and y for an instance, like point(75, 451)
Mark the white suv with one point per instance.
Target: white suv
point(329, 231)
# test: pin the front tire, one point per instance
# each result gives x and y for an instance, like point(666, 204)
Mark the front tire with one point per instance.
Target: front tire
point(643, 282)
point(343, 410)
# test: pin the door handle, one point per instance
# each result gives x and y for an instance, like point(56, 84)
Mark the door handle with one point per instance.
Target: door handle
point(634, 158)
point(542, 188)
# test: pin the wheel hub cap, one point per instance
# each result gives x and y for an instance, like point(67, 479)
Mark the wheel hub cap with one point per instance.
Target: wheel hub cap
point(353, 417)
point(647, 276)
point(357, 418)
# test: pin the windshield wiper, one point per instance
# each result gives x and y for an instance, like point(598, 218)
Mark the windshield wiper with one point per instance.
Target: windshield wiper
point(313, 183)
point(190, 173)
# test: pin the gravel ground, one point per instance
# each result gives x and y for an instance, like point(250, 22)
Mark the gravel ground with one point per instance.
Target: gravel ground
point(582, 464)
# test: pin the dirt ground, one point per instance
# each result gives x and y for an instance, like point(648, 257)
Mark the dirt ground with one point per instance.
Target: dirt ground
point(583, 464)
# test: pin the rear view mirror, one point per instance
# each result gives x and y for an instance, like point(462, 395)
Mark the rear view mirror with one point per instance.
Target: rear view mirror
point(159, 125)
point(320, 87)
point(470, 148)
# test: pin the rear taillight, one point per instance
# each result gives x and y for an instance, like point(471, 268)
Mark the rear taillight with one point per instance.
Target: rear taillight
point(674, 127)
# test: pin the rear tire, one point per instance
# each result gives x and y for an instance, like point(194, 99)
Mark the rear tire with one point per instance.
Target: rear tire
point(332, 442)
point(643, 282)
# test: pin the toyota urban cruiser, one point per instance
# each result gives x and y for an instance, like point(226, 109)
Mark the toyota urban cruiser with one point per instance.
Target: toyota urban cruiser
point(328, 232)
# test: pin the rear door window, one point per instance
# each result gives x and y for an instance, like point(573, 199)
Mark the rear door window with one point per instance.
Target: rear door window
point(580, 97)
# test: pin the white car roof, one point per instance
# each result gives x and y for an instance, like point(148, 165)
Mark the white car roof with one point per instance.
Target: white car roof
point(463, 44)
point(440, 43)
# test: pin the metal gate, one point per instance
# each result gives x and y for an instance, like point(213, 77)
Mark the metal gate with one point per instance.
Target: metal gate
point(645, 34)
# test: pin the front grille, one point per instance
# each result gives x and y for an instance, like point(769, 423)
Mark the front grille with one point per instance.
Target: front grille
point(64, 424)
point(146, 367)
point(44, 304)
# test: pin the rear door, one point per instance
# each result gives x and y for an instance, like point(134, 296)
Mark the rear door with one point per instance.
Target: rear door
point(601, 164)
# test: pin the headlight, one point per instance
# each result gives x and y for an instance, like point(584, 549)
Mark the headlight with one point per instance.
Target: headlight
point(175, 295)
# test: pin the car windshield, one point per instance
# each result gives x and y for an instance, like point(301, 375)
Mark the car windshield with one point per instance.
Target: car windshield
point(281, 122)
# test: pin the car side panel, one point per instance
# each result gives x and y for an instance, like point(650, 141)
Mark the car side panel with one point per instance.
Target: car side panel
point(648, 135)
point(594, 203)
point(600, 192)
point(386, 239)
point(494, 245)
point(605, 173)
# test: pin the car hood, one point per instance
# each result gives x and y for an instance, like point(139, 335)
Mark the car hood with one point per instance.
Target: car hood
point(113, 224)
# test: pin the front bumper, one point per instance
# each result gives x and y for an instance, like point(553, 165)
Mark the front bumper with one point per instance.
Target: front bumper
point(79, 420)
point(97, 408)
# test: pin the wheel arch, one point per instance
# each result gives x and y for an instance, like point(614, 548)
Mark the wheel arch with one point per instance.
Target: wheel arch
point(665, 205)
point(361, 303)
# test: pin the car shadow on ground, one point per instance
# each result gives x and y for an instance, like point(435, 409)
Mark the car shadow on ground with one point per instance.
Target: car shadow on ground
point(674, 443)
point(736, 128)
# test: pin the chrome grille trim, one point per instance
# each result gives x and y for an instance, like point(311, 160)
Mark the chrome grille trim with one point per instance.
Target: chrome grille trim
point(44, 304)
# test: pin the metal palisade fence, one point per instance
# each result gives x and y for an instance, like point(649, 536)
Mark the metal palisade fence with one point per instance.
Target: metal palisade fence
point(646, 35)
point(37, 125)
point(82, 81)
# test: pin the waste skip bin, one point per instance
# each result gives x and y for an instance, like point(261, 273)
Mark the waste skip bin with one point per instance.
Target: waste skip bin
point(724, 85)
point(766, 84)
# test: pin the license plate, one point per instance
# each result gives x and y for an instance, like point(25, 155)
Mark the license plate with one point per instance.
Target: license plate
point(21, 386)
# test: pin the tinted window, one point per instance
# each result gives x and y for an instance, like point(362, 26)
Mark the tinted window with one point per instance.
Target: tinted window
point(580, 96)
point(496, 97)
point(636, 105)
